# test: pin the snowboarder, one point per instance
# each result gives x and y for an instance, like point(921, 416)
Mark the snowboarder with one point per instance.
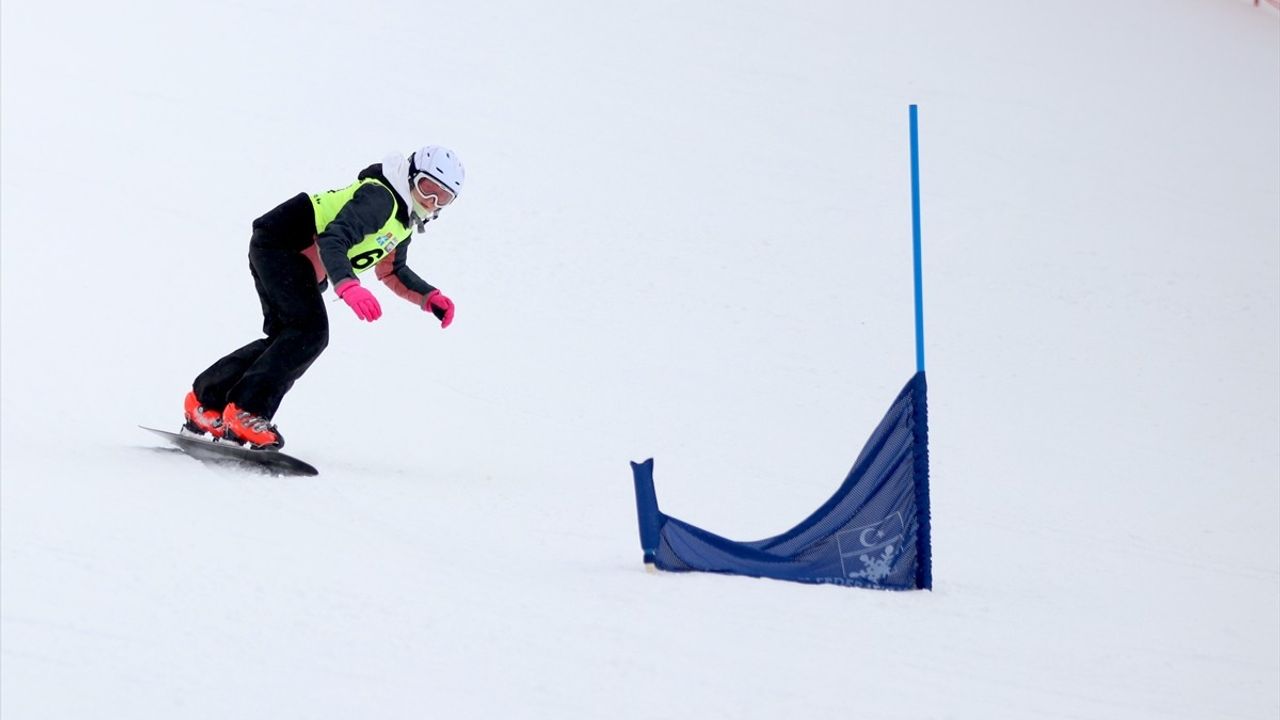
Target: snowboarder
point(299, 248)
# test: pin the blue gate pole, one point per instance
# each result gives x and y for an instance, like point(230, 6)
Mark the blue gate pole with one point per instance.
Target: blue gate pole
point(915, 232)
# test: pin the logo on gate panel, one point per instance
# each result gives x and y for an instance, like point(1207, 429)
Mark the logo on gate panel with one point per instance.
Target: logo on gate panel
point(868, 552)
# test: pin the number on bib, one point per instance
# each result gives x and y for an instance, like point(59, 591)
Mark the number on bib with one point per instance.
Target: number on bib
point(367, 258)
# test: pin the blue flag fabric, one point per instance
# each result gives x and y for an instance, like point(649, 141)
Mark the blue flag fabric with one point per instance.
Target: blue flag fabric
point(874, 532)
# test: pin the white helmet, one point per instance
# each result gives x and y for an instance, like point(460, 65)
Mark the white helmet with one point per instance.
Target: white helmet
point(440, 163)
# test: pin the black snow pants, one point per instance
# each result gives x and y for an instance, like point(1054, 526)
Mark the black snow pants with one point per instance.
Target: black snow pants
point(257, 376)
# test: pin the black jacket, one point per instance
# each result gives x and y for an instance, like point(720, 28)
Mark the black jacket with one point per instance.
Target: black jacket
point(291, 226)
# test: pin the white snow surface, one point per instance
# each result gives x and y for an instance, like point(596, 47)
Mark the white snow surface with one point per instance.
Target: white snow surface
point(685, 234)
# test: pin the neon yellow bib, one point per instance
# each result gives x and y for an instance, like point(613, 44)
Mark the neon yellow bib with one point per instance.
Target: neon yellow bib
point(374, 246)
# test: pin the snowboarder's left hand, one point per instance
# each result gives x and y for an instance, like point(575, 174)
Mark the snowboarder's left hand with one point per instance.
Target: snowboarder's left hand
point(440, 306)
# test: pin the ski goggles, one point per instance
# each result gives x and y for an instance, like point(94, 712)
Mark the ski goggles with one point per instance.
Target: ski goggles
point(431, 187)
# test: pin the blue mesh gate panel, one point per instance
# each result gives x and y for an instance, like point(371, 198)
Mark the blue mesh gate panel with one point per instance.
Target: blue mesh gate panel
point(873, 532)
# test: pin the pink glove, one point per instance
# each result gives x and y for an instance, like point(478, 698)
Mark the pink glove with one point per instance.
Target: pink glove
point(440, 306)
point(362, 301)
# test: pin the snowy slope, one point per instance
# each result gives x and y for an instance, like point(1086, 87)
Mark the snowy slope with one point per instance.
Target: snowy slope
point(685, 235)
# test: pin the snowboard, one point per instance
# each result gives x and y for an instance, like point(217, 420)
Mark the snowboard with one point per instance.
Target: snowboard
point(228, 453)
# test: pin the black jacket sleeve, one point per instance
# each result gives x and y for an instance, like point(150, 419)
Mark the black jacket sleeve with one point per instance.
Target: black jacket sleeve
point(407, 276)
point(365, 213)
point(404, 282)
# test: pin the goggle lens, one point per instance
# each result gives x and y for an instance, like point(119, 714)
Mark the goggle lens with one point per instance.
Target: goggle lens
point(430, 187)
